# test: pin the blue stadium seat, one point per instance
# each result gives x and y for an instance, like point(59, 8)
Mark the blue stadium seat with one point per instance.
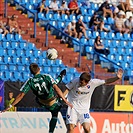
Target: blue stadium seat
point(10, 37)
point(16, 60)
point(31, 46)
point(21, 68)
point(18, 38)
point(126, 37)
point(42, 62)
point(33, 60)
point(127, 58)
point(17, 76)
point(91, 42)
point(2, 37)
point(111, 35)
point(6, 45)
point(72, 17)
point(50, 62)
point(3, 67)
point(95, 34)
point(11, 52)
point(2, 76)
point(84, 41)
point(110, 21)
point(1, 60)
point(55, 69)
point(12, 68)
point(25, 76)
point(20, 52)
point(3, 52)
point(103, 35)
point(23, 45)
point(72, 70)
point(44, 54)
point(89, 49)
point(7, 60)
point(37, 53)
point(8, 75)
point(56, 17)
point(47, 69)
point(129, 51)
point(14, 45)
point(29, 53)
point(41, 16)
point(61, 25)
point(87, 19)
point(25, 61)
point(118, 36)
point(64, 17)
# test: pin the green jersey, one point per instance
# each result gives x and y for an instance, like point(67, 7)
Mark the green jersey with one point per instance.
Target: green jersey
point(41, 85)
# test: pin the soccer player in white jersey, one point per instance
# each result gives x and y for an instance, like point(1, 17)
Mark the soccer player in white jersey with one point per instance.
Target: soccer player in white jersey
point(79, 92)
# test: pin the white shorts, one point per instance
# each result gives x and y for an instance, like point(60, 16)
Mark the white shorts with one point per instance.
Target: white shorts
point(73, 116)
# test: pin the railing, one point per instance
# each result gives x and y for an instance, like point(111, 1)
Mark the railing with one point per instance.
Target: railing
point(93, 64)
point(34, 13)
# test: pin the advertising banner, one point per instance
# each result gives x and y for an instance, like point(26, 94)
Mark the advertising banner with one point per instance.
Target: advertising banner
point(29, 122)
point(123, 98)
point(109, 123)
point(1, 94)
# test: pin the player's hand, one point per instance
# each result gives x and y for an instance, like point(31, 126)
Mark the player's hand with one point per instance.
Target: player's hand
point(120, 73)
point(63, 73)
point(5, 110)
point(69, 104)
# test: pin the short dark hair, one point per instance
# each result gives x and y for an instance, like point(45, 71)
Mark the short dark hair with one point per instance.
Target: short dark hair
point(85, 76)
point(34, 68)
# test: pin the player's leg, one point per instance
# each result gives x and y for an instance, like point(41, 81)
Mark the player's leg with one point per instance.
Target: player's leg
point(86, 127)
point(53, 122)
point(84, 119)
point(71, 119)
point(54, 109)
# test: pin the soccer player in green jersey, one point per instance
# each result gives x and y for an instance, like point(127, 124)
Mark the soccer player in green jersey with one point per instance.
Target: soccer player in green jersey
point(44, 87)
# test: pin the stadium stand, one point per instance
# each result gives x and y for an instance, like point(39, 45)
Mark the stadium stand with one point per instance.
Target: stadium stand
point(26, 52)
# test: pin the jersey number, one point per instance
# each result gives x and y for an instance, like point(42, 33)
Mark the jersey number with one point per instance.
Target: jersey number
point(43, 85)
point(86, 116)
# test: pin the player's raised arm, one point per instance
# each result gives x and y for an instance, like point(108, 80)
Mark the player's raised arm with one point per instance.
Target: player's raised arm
point(118, 76)
point(59, 92)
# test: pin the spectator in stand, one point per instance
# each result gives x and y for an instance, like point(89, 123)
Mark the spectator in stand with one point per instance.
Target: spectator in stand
point(42, 7)
point(124, 5)
point(119, 23)
point(9, 101)
point(64, 8)
point(99, 47)
point(3, 30)
point(54, 6)
point(73, 6)
point(114, 9)
point(105, 9)
point(97, 23)
point(12, 25)
point(102, 27)
point(129, 23)
point(94, 22)
point(81, 28)
point(71, 29)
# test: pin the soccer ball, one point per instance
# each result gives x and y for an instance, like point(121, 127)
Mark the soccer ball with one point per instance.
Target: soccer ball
point(52, 53)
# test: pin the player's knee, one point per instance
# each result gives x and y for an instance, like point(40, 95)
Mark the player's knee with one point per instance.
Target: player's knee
point(87, 128)
point(70, 127)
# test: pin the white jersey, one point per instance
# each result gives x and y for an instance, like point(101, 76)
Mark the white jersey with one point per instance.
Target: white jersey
point(80, 97)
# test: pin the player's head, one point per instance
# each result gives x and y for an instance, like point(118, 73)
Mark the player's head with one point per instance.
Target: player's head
point(34, 68)
point(84, 78)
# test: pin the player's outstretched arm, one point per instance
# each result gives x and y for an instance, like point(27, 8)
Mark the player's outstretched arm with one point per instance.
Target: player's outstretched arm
point(118, 76)
point(59, 92)
point(17, 100)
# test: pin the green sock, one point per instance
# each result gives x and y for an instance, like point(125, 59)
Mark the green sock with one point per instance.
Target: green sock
point(52, 124)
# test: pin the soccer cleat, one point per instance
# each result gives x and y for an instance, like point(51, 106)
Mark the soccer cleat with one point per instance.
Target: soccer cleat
point(63, 73)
